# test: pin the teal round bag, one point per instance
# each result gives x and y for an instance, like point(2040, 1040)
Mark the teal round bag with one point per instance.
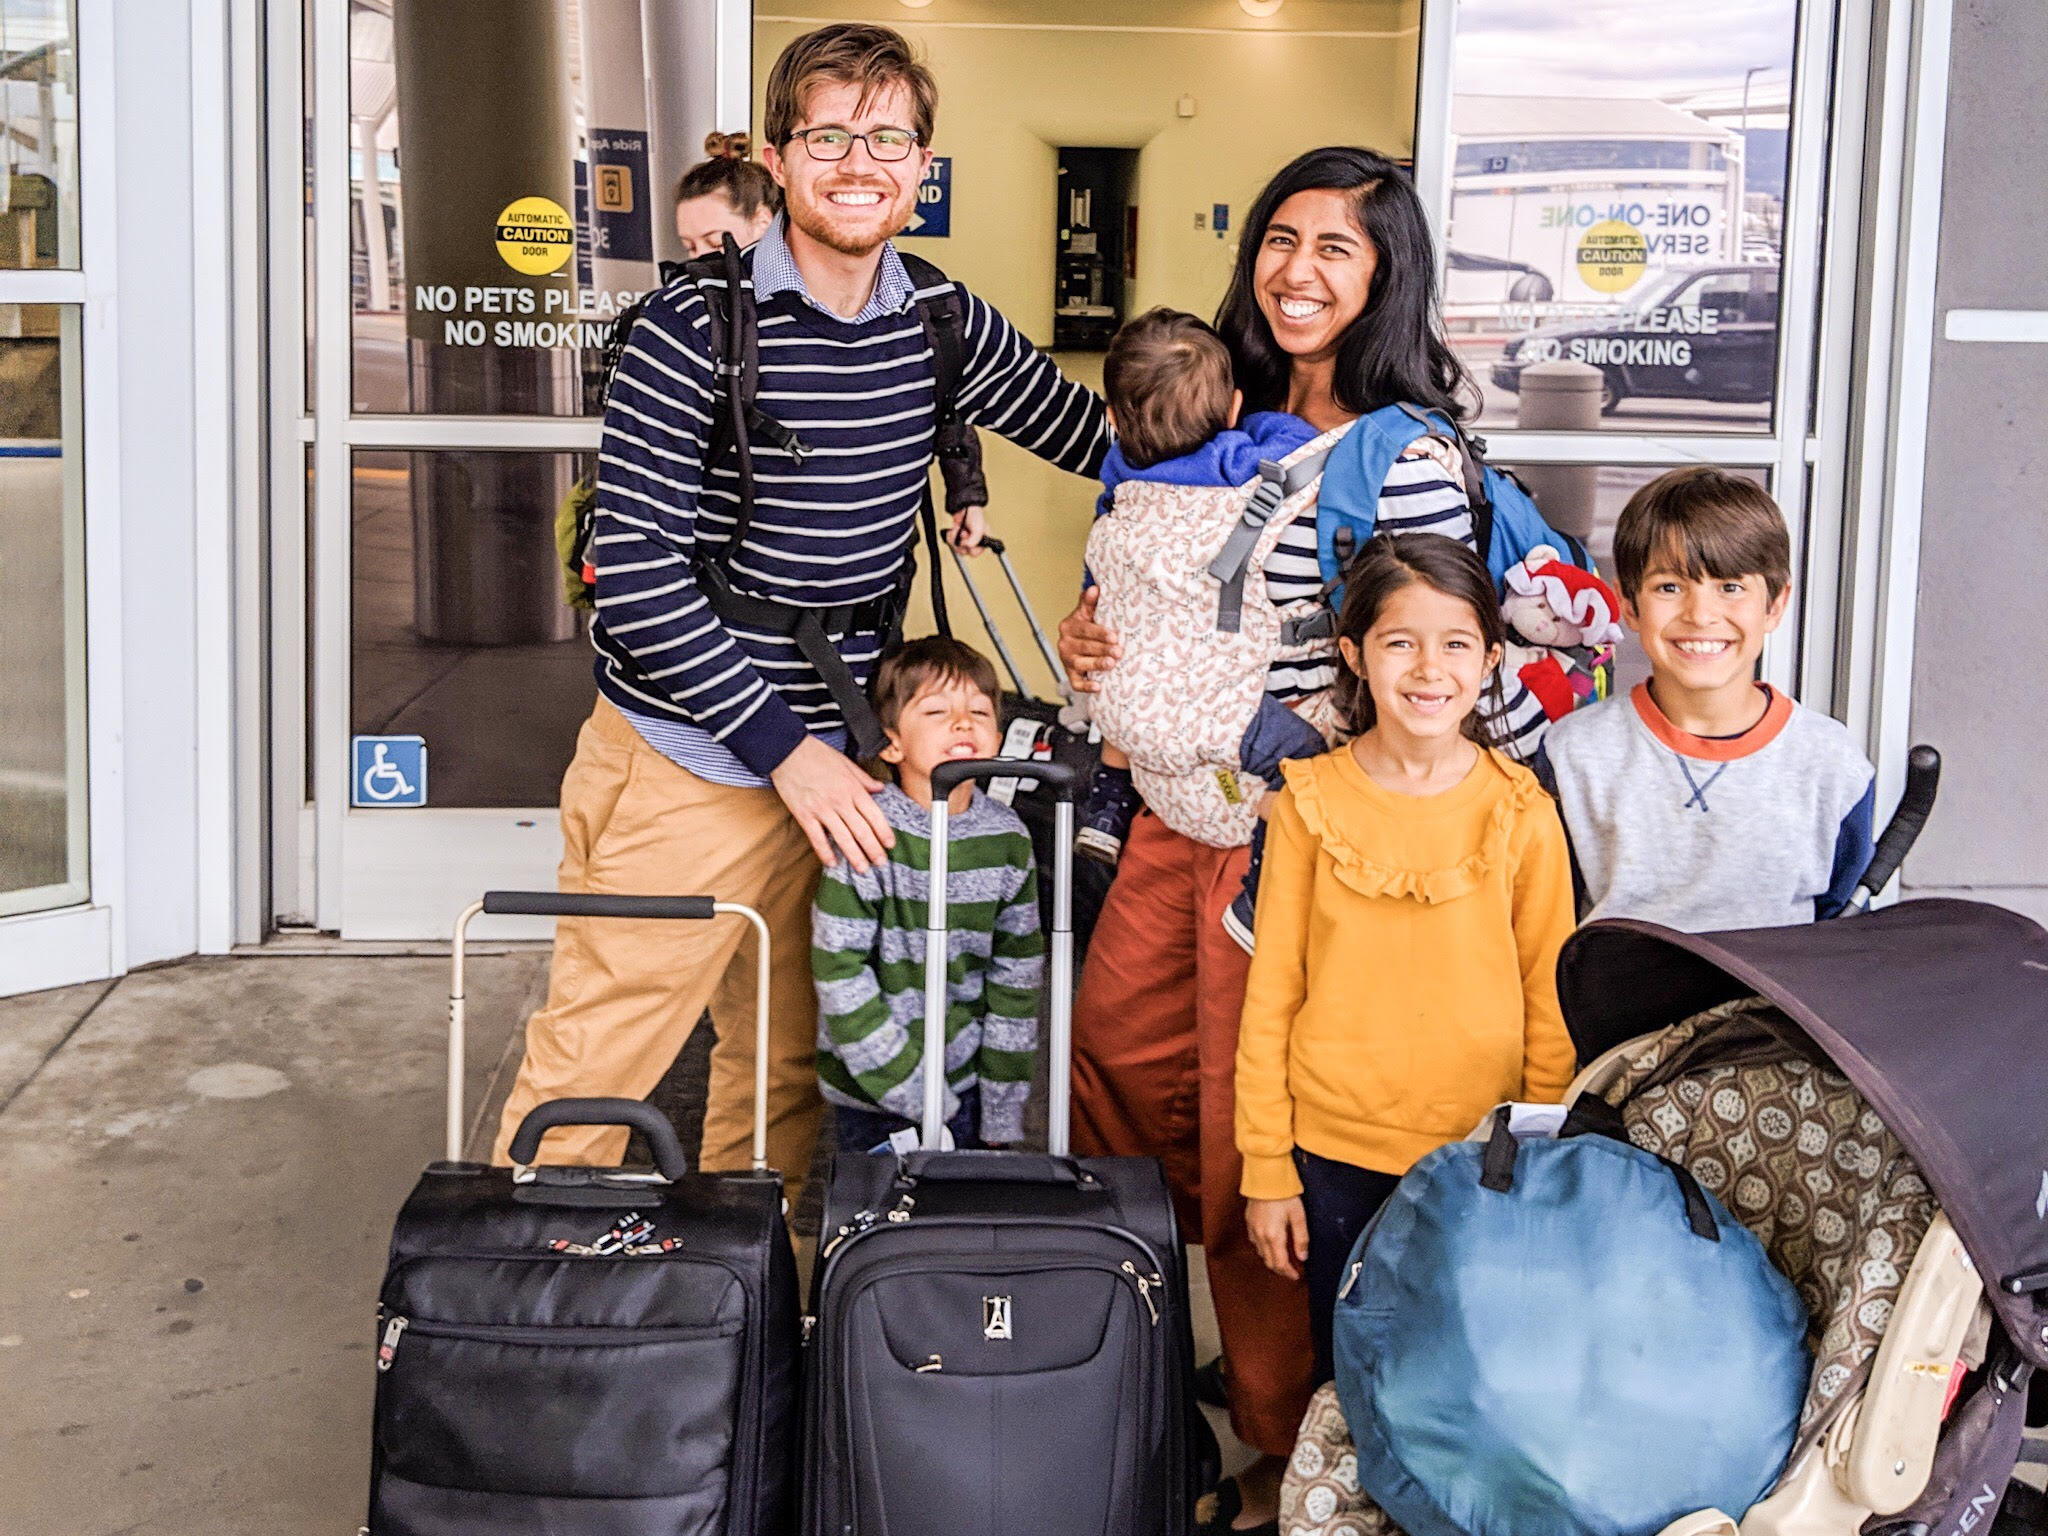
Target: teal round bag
point(1564, 1338)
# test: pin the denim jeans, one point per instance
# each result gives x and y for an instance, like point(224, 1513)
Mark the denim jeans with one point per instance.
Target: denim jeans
point(862, 1130)
point(1339, 1199)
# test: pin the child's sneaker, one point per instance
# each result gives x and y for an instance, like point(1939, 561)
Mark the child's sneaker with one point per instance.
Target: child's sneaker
point(1106, 819)
point(1237, 917)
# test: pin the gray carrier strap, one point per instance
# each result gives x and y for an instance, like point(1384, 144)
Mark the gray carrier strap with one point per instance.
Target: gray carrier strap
point(1275, 485)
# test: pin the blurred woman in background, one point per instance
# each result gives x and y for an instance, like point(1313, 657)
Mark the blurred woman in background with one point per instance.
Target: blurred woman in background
point(724, 194)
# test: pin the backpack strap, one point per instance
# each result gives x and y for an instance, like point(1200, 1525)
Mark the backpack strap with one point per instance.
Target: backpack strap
point(1277, 482)
point(942, 314)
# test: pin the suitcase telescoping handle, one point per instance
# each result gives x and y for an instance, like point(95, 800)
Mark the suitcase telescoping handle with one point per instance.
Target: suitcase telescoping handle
point(1916, 803)
point(1052, 658)
point(1061, 780)
point(567, 904)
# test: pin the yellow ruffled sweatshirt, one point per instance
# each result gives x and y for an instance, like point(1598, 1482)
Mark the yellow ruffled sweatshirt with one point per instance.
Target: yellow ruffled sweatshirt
point(1405, 979)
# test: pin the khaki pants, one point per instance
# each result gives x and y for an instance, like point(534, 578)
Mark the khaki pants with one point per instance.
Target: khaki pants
point(623, 995)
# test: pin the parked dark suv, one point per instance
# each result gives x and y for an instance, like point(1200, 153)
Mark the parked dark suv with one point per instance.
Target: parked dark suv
point(1707, 333)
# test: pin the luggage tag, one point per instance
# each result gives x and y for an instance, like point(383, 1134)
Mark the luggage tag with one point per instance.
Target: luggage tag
point(1026, 738)
point(907, 1141)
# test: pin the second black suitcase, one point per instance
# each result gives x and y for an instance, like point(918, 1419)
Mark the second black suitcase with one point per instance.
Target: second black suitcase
point(1000, 1344)
point(587, 1351)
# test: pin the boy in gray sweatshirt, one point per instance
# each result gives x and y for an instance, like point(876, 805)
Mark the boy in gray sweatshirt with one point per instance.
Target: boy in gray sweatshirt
point(1706, 799)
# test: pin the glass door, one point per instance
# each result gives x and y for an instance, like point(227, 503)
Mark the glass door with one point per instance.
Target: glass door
point(490, 185)
point(1629, 202)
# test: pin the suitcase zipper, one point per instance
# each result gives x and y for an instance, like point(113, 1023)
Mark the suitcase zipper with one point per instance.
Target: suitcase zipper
point(388, 1349)
point(1144, 1283)
point(566, 1337)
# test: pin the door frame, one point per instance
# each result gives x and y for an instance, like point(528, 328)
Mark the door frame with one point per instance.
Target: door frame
point(398, 875)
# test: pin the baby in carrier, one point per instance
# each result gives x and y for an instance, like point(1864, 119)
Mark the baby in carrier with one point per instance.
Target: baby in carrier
point(1186, 722)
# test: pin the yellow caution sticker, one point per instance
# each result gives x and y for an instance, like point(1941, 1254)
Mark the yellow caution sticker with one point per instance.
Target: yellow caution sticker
point(1612, 256)
point(535, 235)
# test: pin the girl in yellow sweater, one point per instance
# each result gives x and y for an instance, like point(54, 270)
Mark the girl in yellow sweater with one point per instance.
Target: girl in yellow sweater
point(1416, 890)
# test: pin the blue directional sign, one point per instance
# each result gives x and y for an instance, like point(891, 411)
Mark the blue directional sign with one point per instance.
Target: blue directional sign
point(619, 193)
point(388, 771)
point(933, 216)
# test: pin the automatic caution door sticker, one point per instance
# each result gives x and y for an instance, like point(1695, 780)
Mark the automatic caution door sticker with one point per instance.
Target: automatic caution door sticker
point(1611, 256)
point(535, 236)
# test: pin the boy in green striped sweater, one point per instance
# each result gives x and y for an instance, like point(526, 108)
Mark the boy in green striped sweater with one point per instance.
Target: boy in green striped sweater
point(936, 699)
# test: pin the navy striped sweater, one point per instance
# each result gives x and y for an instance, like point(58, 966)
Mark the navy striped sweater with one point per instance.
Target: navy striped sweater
point(834, 531)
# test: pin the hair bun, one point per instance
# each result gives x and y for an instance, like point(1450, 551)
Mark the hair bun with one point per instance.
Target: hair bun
point(727, 146)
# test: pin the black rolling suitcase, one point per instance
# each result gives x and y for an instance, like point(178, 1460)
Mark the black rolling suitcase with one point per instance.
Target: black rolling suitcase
point(1001, 1343)
point(587, 1351)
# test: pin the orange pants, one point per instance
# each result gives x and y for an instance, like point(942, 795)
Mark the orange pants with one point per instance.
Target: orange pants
point(1155, 1070)
point(624, 994)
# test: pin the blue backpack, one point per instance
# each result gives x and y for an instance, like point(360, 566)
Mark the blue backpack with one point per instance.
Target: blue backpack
point(1505, 519)
point(1566, 1337)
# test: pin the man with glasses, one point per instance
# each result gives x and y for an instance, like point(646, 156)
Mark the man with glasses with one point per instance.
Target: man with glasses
point(716, 758)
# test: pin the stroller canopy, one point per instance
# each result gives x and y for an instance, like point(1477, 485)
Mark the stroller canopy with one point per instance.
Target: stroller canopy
point(1937, 1012)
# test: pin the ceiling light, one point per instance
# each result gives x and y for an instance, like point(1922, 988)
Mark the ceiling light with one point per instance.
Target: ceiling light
point(1260, 8)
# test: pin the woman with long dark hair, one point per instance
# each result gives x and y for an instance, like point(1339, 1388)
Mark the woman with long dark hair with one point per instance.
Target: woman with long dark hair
point(1331, 313)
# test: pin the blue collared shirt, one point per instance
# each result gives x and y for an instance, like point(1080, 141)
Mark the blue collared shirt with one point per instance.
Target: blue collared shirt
point(775, 272)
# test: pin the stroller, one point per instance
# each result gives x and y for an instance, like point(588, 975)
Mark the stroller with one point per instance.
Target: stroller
point(1867, 1096)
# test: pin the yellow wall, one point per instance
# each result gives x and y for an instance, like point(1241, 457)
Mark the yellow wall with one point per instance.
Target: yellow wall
point(1020, 80)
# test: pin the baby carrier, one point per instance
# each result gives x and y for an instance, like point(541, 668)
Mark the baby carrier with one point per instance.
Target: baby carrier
point(1182, 571)
point(1182, 575)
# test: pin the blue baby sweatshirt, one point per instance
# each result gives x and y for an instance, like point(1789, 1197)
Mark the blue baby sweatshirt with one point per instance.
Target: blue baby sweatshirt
point(1231, 457)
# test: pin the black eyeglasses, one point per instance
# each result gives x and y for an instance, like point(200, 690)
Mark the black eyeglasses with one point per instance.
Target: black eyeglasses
point(837, 143)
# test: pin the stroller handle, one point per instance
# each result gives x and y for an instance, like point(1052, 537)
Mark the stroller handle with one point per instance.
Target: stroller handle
point(1916, 802)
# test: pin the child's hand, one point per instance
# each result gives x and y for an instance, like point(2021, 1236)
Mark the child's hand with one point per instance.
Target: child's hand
point(1279, 1230)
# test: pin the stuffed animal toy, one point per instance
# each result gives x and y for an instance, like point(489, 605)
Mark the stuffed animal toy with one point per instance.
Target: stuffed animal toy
point(1563, 624)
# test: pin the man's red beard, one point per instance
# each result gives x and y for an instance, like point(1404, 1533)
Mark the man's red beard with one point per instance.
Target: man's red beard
point(815, 220)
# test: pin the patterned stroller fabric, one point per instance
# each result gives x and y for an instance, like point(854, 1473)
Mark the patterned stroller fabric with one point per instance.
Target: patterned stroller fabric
point(1800, 1159)
point(1793, 1151)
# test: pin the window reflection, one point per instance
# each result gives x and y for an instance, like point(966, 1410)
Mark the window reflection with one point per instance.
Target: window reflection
point(484, 269)
point(1617, 204)
point(459, 629)
point(38, 134)
point(42, 614)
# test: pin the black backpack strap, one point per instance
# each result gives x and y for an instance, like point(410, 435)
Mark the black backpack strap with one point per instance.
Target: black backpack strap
point(726, 285)
point(942, 313)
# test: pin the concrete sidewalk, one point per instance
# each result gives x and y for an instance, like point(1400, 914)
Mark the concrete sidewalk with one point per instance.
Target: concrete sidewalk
point(198, 1170)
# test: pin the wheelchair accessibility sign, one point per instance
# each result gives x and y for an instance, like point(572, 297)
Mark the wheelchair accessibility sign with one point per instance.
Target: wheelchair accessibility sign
point(388, 771)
